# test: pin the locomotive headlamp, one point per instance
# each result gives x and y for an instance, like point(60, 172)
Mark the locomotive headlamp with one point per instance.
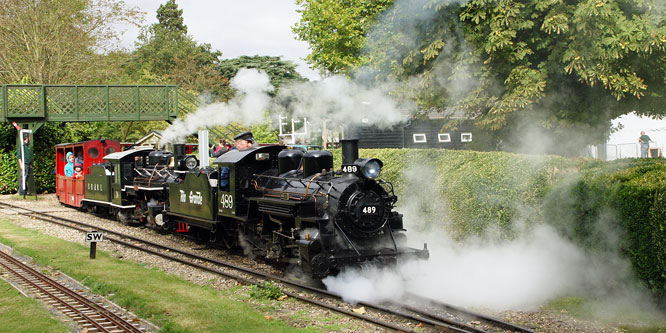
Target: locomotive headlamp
point(191, 162)
point(370, 167)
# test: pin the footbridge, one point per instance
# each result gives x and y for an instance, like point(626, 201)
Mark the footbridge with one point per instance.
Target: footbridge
point(30, 106)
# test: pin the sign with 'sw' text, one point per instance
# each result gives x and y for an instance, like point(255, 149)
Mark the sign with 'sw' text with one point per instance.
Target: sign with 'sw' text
point(94, 236)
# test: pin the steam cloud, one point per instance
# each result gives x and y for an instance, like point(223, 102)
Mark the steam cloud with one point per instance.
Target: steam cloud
point(489, 272)
point(336, 99)
point(248, 107)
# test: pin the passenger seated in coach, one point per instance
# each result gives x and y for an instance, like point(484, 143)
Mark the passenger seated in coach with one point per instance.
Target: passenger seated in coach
point(244, 141)
point(69, 167)
point(78, 171)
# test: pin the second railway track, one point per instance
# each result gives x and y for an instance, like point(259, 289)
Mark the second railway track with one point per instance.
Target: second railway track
point(411, 313)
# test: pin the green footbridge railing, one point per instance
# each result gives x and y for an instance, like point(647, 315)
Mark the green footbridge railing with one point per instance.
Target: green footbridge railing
point(42, 103)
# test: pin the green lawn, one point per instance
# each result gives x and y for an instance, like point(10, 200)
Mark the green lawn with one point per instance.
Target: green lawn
point(21, 314)
point(167, 301)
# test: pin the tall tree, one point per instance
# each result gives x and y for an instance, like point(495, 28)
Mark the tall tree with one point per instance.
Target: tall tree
point(63, 41)
point(280, 71)
point(336, 30)
point(167, 54)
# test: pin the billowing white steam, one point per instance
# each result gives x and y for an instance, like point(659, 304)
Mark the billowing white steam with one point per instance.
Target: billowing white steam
point(340, 102)
point(336, 100)
point(518, 274)
point(247, 107)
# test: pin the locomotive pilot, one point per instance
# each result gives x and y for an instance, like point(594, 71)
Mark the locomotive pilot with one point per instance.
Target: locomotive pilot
point(244, 141)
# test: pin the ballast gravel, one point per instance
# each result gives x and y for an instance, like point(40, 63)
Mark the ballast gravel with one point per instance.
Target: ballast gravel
point(294, 313)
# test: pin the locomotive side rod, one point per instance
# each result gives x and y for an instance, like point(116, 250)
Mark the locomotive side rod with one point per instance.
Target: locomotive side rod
point(445, 325)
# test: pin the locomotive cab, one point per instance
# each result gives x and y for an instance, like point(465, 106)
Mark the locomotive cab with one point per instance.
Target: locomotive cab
point(236, 171)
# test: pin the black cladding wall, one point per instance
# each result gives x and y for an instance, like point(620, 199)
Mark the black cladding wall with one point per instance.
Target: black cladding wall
point(416, 134)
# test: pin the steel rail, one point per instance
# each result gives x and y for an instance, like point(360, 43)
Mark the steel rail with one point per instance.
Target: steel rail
point(107, 315)
point(203, 267)
point(485, 318)
point(435, 320)
point(441, 323)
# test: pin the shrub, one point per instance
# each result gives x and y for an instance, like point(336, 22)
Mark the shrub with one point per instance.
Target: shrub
point(267, 290)
point(626, 197)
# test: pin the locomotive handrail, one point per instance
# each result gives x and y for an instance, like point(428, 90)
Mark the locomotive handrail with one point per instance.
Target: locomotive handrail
point(294, 179)
point(310, 182)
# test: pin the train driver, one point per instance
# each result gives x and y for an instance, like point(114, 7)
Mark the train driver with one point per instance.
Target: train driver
point(244, 141)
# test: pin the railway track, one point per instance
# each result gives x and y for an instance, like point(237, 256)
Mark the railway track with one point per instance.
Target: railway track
point(87, 314)
point(415, 314)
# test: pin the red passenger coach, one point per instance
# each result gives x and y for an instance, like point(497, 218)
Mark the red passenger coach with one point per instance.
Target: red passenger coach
point(70, 191)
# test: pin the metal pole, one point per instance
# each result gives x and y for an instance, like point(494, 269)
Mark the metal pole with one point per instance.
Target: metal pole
point(93, 250)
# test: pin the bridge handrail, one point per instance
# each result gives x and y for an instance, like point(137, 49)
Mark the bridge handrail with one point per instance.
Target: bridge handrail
point(62, 102)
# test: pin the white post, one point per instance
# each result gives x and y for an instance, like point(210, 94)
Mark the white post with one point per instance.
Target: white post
point(23, 174)
point(203, 149)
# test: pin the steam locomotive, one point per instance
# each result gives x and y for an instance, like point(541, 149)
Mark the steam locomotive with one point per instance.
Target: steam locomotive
point(284, 205)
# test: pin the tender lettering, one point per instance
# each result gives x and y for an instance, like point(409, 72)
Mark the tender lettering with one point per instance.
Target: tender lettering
point(196, 198)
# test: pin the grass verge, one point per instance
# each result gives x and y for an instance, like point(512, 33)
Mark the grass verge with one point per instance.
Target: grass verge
point(169, 302)
point(21, 314)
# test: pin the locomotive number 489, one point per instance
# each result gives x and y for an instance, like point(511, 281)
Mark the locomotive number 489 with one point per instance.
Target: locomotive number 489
point(369, 210)
point(350, 168)
point(227, 201)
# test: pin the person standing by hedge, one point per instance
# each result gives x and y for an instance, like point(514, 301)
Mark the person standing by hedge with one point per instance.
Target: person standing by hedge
point(24, 156)
point(645, 144)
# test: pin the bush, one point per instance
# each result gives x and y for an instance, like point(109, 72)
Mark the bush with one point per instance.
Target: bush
point(480, 189)
point(45, 139)
point(267, 290)
point(626, 197)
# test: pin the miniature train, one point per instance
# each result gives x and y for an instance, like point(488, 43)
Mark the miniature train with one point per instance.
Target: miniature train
point(287, 205)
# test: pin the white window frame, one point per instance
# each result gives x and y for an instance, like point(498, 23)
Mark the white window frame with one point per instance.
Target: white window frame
point(444, 137)
point(462, 137)
point(424, 140)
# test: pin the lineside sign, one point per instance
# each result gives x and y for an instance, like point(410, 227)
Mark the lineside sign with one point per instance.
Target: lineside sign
point(94, 236)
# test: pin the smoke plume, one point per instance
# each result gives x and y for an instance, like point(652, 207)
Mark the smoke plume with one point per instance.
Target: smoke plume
point(248, 106)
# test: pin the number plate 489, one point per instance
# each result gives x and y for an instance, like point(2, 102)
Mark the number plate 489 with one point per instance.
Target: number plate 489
point(369, 210)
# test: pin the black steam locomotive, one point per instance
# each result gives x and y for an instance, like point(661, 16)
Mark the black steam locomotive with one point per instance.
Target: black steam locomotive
point(283, 205)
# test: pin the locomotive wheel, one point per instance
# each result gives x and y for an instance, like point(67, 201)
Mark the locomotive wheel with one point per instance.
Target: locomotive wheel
point(321, 266)
point(123, 217)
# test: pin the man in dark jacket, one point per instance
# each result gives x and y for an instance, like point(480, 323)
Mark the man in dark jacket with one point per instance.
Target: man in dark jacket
point(24, 156)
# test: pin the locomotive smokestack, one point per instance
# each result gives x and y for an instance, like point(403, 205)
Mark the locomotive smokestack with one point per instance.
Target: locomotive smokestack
point(179, 151)
point(349, 150)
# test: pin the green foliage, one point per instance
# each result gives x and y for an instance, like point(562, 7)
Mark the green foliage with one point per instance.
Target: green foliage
point(60, 42)
point(480, 189)
point(606, 207)
point(267, 290)
point(336, 30)
point(166, 54)
point(279, 71)
point(559, 65)
point(44, 143)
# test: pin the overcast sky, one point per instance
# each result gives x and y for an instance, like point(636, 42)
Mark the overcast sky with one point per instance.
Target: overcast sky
point(252, 27)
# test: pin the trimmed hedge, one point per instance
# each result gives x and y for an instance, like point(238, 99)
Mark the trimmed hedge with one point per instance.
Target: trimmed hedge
point(480, 188)
point(626, 196)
